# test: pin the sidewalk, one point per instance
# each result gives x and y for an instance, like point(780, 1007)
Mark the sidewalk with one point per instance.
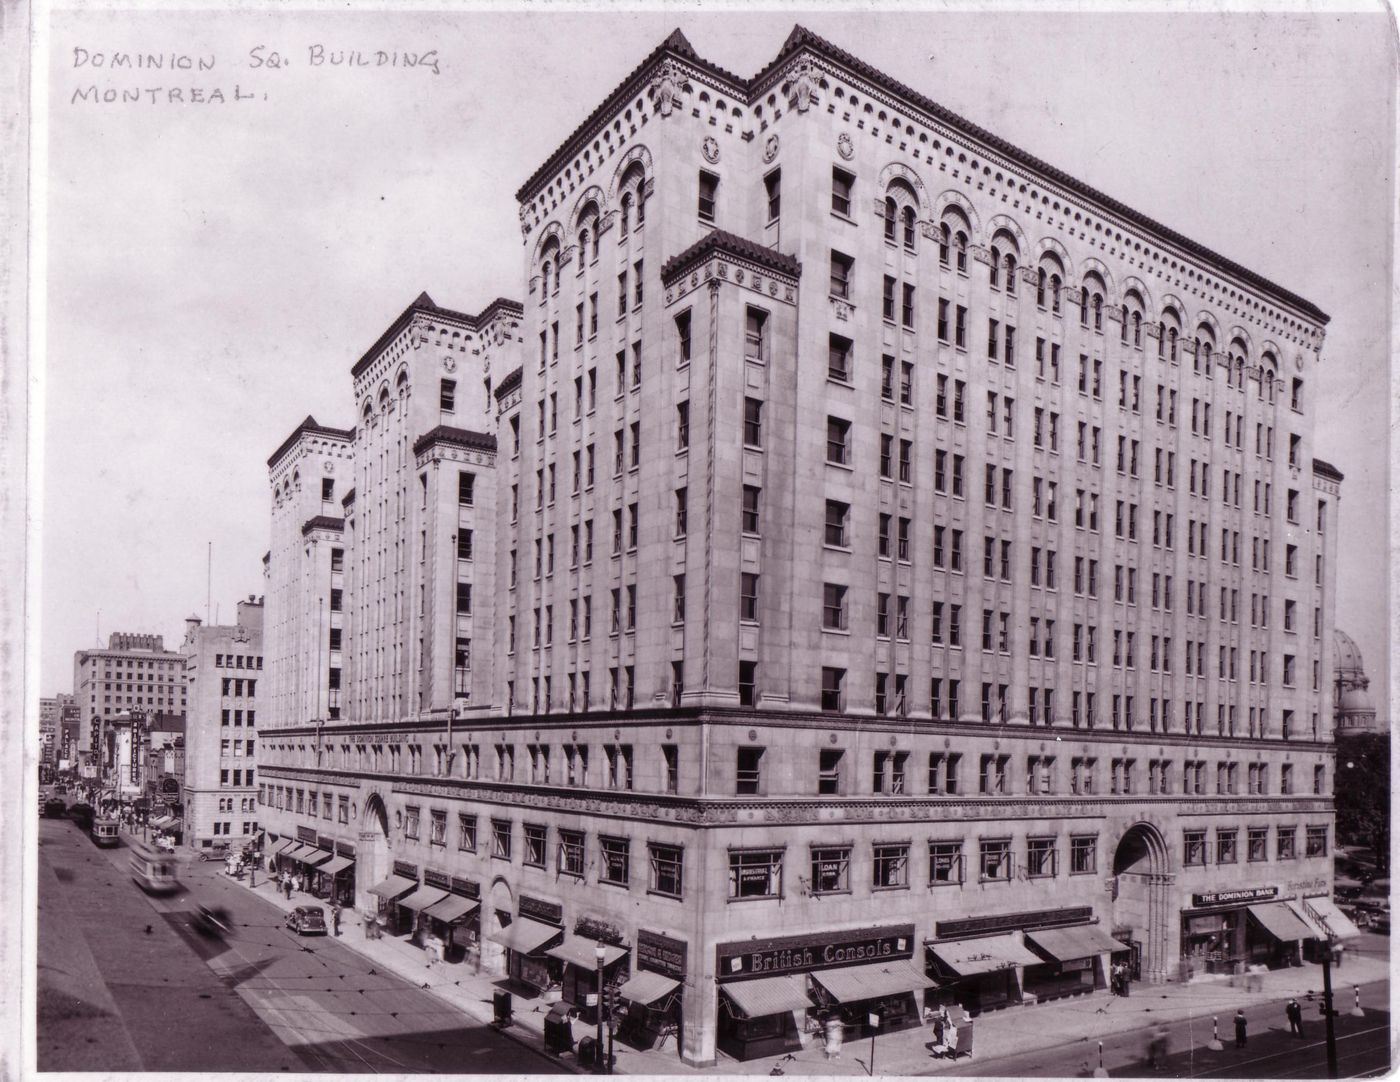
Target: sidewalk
point(997, 1033)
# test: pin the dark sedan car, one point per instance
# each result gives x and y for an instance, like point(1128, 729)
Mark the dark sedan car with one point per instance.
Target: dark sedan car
point(55, 809)
point(307, 920)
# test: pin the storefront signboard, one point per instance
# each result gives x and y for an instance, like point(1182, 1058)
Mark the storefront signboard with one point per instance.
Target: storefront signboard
point(1233, 897)
point(539, 909)
point(345, 849)
point(819, 950)
point(1010, 922)
point(600, 930)
point(306, 835)
point(661, 954)
point(441, 880)
point(403, 868)
point(467, 888)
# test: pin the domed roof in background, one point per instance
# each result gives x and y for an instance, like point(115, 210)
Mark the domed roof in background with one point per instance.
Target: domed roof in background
point(1346, 654)
point(1356, 701)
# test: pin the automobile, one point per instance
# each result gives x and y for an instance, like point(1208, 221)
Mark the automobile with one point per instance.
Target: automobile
point(213, 921)
point(55, 809)
point(307, 920)
point(214, 852)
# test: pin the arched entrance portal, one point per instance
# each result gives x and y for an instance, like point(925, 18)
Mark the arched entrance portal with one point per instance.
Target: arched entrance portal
point(1142, 880)
point(371, 852)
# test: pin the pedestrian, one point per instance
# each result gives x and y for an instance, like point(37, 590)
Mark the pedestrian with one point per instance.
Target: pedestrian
point(1157, 1049)
point(301, 884)
point(253, 874)
point(335, 918)
point(1241, 1029)
point(1294, 1013)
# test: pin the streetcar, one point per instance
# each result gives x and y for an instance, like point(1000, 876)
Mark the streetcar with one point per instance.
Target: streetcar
point(104, 833)
point(153, 871)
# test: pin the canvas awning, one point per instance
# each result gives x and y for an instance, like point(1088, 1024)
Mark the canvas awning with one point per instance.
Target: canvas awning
point(851, 984)
point(645, 987)
point(1280, 921)
point(335, 865)
point(422, 898)
point(162, 820)
point(582, 953)
point(768, 995)
point(285, 845)
point(525, 936)
point(967, 957)
point(310, 854)
point(1076, 941)
point(452, 909)
point(1317, 930)
point(1333, 919)
point(394, 887)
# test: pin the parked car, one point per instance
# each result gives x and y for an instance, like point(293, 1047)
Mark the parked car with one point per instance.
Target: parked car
point(55, 809)
point(307, 920)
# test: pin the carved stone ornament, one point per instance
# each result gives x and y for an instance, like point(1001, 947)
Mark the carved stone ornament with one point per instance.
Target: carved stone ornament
point(844, 146)
point(842, 309)
point(802, 84)
point(710, 148)
point(770, 148)
point(665, 89)
point(1298, 362)
point(449, 364)
point(328, 465)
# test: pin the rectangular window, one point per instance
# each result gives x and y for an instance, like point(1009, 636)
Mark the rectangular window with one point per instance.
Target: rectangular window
point(839, 355)
point(837, 518)
point(838, 441)
point(773, 188)
point(667, 870)
point(501, 838)
point(831, 870)
point(708, 193)
point(945, 863)
point(842, 183)
point(1194, 848)
point(1083, 854)
point(614, 861)
point(755, 874)
point(571, 854)
point(994, 860)
point(753, 422)
point(890, 867)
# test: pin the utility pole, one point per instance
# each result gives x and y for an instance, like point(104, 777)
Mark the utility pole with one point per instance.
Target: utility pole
point(1327, 1007)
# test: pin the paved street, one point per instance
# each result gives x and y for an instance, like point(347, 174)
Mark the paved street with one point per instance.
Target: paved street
point(126, 983)
point(1363, 1048)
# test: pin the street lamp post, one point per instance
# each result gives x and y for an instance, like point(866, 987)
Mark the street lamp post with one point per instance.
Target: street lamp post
point(1327, 1007)
point(600, 956)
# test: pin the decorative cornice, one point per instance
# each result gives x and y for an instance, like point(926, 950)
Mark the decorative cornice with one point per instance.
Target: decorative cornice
point(348, 499)
point(1326, 469)
point(308, 426)
point(322, 522)
point(455, 437)
point(720, 242)
point(424, 306)
point(510, 383)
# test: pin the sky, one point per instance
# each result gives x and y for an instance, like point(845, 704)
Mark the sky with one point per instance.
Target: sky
point(209, 272)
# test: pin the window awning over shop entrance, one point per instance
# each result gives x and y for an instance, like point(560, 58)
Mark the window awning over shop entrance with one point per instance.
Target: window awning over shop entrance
point(646, 987)
point(394, 887)
point(1333, 919)
point(768, 995)
point(1316, 929)
point(310, 854)
point(335, 865)
point(452, 909)
point(1076, 941)
point(1280, 921)
point(525, 936)
point(580, 952)
point(285, 845)
point(851, 984)
point(422, 898)
point(968, 957)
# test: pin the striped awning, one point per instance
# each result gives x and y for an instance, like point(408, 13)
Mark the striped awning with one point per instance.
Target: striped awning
point(310, 854)
point(1281, 922)
point(423, 897)
point(452, 909)
point(393, 887)
point(525, 936)
point(873, 980)
point(335, 865)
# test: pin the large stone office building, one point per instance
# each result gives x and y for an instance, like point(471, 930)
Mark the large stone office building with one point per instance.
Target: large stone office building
point(133, 673)
point(893, 567)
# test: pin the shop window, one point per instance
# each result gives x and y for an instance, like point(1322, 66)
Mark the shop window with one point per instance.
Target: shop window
point(994, 860)
point(755, 873)
point(667, 874)
point(536, 837)
point(1042, 858)
point(571, 853)
point(1194, 851)
point(614, 868)
point(831, 870)
point(891, 866)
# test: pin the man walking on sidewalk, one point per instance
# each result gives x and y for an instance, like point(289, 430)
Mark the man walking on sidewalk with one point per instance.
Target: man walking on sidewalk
point(1295, 1018)
point(335, 917)
point(1241, 1029)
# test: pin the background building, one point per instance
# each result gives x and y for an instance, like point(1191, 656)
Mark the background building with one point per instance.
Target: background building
point(134, 672)
point(889, 549)
point(223, 668)
point(1353, 709)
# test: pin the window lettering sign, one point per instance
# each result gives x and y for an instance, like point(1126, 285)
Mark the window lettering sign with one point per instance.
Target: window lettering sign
point(599, 930)
point(345, 849)
point(661, 954)
point(1229, 897)
point(403, 868)
point(539, 909)
point(306, 835)
point(821, 950)
point(467, 888)
point(441, 880)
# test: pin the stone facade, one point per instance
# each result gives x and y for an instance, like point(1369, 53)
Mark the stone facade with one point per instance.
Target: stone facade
point(884, 529)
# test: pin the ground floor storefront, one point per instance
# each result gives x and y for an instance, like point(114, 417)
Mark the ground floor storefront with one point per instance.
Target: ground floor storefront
point(1234, 931)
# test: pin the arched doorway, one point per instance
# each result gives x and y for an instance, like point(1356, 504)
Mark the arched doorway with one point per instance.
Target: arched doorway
point(372, 857)
point(496, 912)
point(1142, 880)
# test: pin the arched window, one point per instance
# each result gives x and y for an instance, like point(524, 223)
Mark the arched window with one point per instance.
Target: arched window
point(944, 241)
point(994, 277)
point(1011, 274)
point(625, 214)
point(909, 218)
point(960, 247)
point(1123, 328)
point(1167, 335)
point(385, 402)
point(582, 249)
point(900, 209)
point(587, 227)
point(1205, 346)
point(546, 270)
point(1092, 302)
point(891, 218)
point(1042, 283)
point(401, 385)
point(1098, 312)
